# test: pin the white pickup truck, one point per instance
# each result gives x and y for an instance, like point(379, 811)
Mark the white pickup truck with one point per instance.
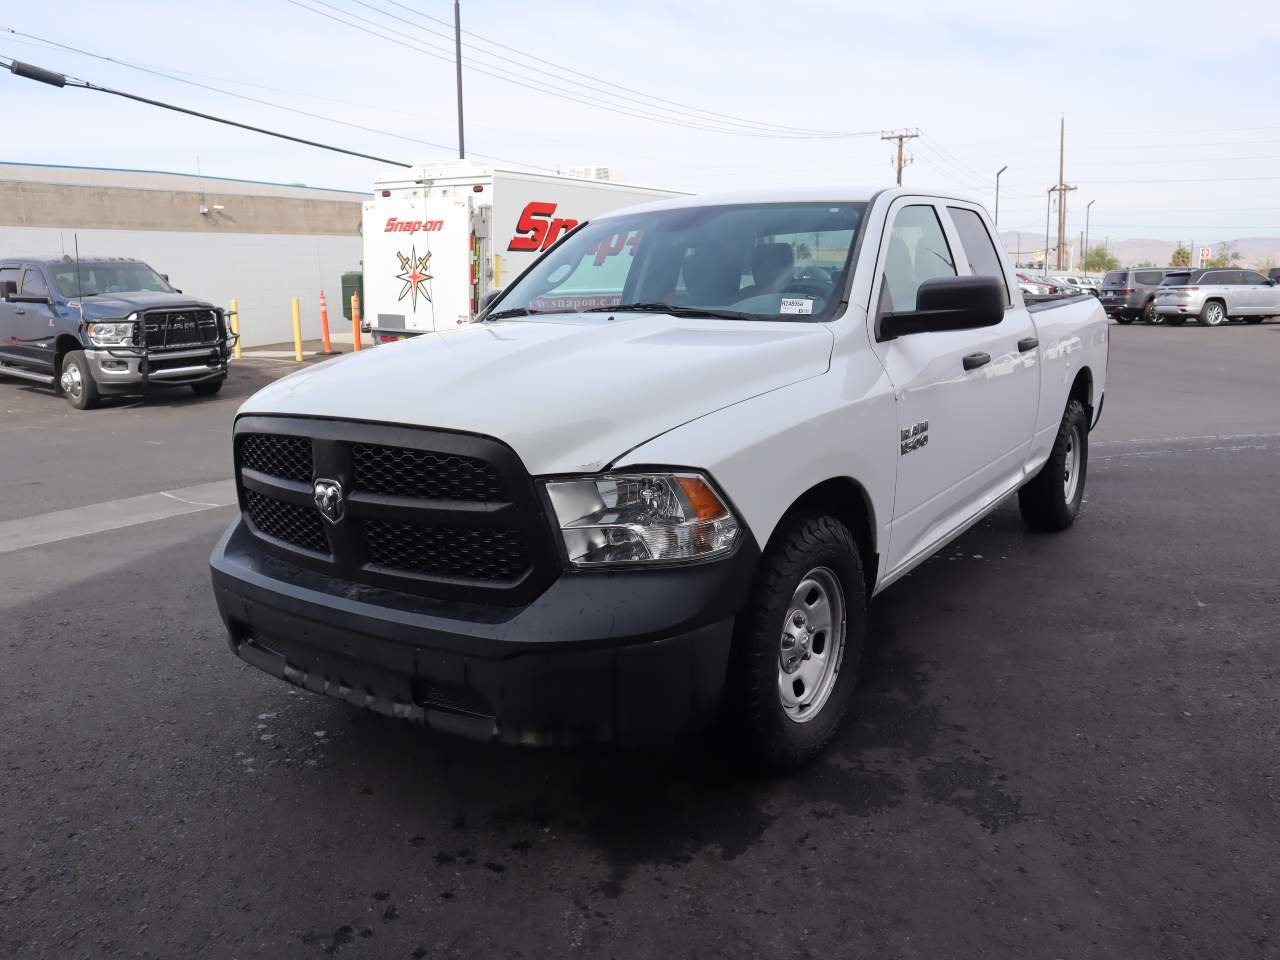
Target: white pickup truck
point(657, 481)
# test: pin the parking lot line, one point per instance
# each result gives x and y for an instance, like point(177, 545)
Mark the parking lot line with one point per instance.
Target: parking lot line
point(114, 515)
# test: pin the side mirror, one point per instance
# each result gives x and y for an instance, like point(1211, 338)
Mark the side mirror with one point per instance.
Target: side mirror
point(487, 299)
point(8, 290)
point(948, 303)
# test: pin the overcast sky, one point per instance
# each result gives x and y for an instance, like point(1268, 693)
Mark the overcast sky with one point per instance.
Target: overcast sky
point(1172, 110)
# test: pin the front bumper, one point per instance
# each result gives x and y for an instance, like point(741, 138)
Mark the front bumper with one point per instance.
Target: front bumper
point(126, 370)
point(625, 657)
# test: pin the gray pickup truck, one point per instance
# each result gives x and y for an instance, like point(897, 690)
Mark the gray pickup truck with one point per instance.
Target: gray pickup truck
point(91, 328)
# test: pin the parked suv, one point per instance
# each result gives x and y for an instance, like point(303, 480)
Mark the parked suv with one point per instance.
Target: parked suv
point(1129, 295)
point(1215, 296)
point(106, 326)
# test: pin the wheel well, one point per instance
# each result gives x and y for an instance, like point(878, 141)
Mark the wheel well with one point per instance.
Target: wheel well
point(847, 501)
point(64, 345)
point(1082, 389)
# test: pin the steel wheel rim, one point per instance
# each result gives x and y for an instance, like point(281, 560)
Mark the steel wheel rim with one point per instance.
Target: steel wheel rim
point(71, 382)
point(811, 645)
point(1071, 465)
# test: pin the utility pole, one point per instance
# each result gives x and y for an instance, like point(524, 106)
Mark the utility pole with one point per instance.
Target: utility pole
point(901, 136)
point(1048, 203)
point(457, 58)
point(998, 172)
point(1062, 189)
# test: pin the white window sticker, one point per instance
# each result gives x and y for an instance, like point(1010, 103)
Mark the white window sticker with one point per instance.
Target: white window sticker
point(796, 305)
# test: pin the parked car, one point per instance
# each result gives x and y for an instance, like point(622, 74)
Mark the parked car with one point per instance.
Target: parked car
point(1043, 287)
point(611, 522)
point(1216, 296)
point(99, 327)
point(1130, 294)
point(1074, 283)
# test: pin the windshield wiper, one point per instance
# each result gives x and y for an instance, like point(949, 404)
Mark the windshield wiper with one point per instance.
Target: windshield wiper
point(514, 312)
point(673, 310)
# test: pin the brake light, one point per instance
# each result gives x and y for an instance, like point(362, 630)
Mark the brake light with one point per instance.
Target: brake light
point(1125, 290)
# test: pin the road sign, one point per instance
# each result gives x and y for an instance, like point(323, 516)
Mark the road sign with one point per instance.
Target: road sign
point(1206, 254)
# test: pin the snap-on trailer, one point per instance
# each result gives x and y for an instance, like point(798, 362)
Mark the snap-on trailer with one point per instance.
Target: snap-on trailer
point(439, 236)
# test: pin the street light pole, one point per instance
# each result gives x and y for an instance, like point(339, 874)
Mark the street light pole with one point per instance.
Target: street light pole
point(1048, 198)
point(457, 59)
point(998, 172)
point(1086, 233)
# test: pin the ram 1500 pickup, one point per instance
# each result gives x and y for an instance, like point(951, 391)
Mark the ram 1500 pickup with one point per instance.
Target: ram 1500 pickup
point(658, 479)
point(102, 327)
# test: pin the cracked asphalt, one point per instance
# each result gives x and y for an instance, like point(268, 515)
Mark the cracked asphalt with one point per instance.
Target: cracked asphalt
point(1061, 746)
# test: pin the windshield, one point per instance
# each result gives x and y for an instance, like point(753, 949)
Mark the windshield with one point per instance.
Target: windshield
point(98, 278)
point(776, 261)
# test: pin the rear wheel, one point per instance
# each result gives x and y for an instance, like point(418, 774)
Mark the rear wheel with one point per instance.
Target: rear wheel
point(1150, 315)
point(1052, 500)
point(797, 645)
point(76, 381)
point(1213, 314)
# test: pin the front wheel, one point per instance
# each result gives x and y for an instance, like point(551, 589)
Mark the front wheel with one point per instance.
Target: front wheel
point(76, 381)
point(797, 645)
point(1051, 501)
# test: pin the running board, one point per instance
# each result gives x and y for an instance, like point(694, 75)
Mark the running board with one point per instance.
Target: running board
point(9, 371)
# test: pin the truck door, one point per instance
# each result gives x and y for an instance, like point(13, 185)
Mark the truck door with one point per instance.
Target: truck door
point(8, 316)
point(35, 323)
point(966, 399)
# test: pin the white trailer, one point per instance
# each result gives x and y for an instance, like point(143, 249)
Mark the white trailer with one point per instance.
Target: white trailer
point(440, 236)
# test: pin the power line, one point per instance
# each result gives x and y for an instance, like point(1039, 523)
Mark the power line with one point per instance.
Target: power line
point(61, 80)
point(267, 103)
point(541, 87)
point(524, 54)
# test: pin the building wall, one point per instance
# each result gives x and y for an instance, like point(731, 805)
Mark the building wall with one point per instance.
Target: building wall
point(268, 243)
point(262, 271)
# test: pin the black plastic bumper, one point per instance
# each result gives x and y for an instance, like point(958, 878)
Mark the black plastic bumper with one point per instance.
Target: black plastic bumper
point(625, 657)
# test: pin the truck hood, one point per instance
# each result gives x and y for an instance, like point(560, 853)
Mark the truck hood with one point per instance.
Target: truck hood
point(568, 392)
point(110, 305)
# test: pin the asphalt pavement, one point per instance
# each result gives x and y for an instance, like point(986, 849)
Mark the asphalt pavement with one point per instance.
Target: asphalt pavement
point(1060, 746)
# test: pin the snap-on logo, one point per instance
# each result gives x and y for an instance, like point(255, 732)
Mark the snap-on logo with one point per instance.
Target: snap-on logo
point(412, 226)
point(539, 228)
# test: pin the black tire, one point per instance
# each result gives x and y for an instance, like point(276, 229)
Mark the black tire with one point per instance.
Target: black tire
point(760, 731)
point(1150, 315)
point(207, 388)
point(1213, 314)
point(82, 391)
point(1044, 502)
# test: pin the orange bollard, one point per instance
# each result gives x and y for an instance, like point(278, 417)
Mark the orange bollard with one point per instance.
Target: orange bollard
point(324, 322)
point(355, 318)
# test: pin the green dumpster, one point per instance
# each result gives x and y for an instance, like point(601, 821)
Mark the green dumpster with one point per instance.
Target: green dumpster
point(352, 282)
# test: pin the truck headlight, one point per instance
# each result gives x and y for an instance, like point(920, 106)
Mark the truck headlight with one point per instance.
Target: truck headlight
point(115, 333)
point(638, 518)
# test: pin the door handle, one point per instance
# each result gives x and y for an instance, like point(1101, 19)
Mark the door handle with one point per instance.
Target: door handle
point(1027, 343)
point(975, 360)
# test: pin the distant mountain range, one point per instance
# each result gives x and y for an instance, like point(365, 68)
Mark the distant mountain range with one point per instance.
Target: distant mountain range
point(1254, 251)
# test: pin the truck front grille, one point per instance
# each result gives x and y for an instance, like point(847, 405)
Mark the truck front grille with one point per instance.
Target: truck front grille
point(179, 328)
point(286, 521)
point(444, 515)
point(277, 456)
